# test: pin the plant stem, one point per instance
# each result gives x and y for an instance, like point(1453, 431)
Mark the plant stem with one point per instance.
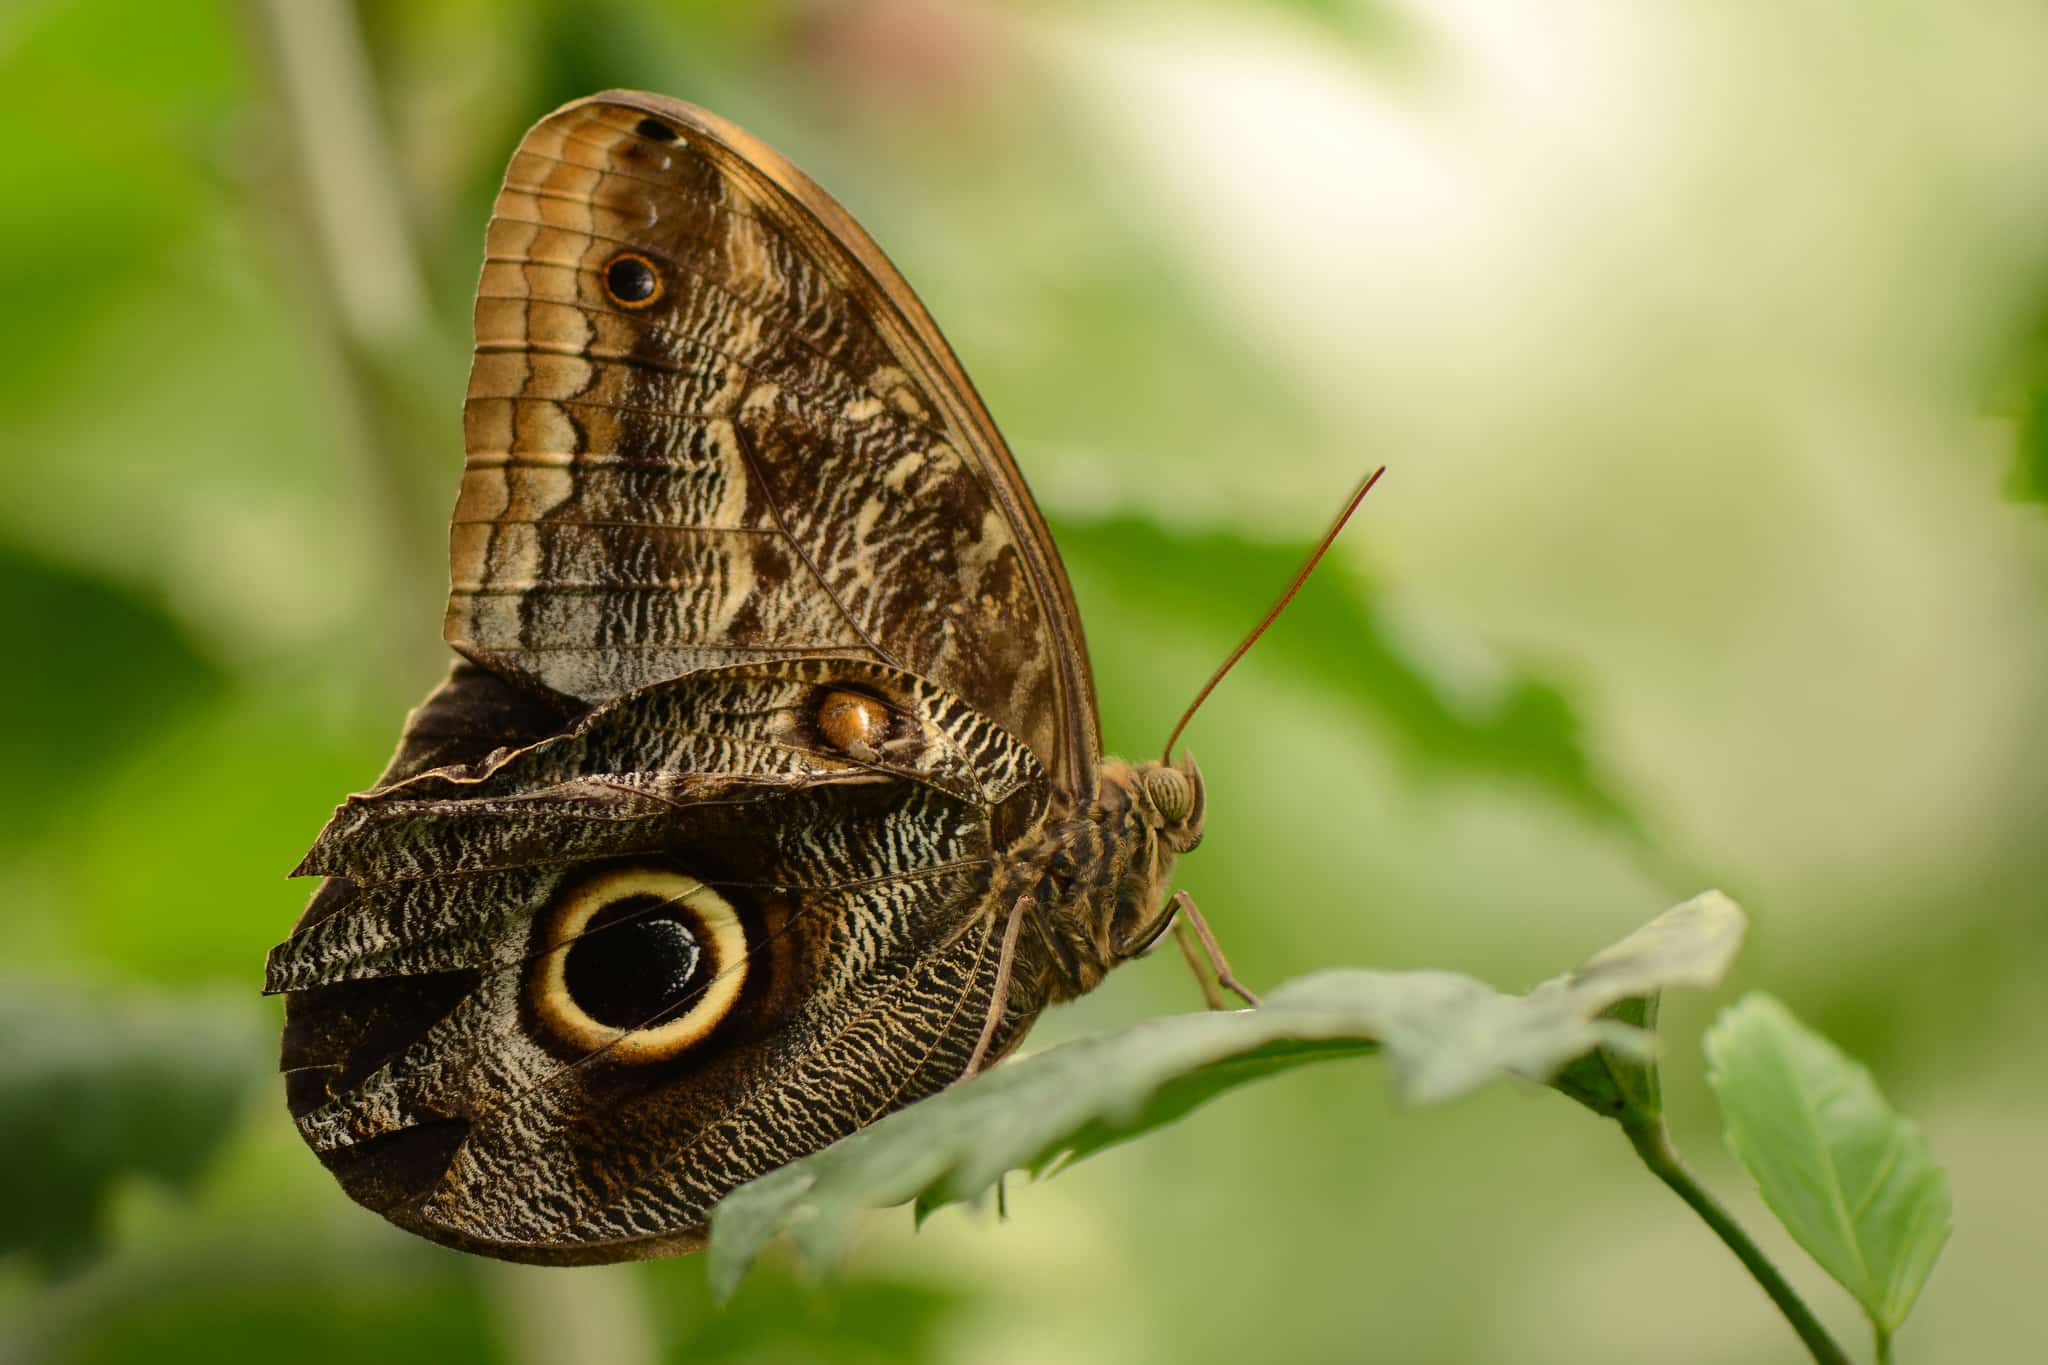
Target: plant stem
point(360, 287)
point(1884, 1346)
point(1653, 1145)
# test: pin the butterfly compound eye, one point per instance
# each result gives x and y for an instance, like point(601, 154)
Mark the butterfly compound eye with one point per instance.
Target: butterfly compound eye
point(640, 965)
point(632, 281)
point(1171, 792)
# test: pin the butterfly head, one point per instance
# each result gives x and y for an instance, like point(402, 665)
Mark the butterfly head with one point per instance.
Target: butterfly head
point(1170, 800)
point(1150, 813)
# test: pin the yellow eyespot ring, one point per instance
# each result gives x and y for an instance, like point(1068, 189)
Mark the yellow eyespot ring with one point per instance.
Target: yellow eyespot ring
point(713, 924)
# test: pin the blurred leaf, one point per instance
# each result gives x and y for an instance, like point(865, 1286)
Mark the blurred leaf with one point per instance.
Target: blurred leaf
point(776, 1317)
point(2030, 471)
point(1690, 945)
point(1045, 345)
point(1850, 1179)
point(2020, 394)
point(95, 1087)
point(157, 342)
point(267, 1293)
point(108, 144)
point(175, 863)
point(1372, 28)
point(1443, 1034)
point(92, 640)
point(678, 48)
point(1333, 635)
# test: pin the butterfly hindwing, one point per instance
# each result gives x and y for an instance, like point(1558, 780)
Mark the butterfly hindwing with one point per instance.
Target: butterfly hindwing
point(490, 929)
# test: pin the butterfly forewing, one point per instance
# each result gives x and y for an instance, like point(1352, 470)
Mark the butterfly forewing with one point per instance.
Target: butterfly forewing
point(708, 423)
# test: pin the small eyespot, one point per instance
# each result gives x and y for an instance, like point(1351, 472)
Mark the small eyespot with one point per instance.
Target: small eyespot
point(655, 130)
point(632, 281)
point(853, 723)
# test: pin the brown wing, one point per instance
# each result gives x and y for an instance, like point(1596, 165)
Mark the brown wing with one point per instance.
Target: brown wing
point(708, 422)
point(553, 1002)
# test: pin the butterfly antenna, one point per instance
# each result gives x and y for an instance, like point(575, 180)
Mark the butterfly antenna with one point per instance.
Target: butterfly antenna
point(1308, 567)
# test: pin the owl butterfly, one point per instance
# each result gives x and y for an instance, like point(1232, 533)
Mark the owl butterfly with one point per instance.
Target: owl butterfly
point(766, 794)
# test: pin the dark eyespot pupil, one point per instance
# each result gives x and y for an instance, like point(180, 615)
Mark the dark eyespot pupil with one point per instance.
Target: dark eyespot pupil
point(629, 279)
point(655, 130)
point(634, 964)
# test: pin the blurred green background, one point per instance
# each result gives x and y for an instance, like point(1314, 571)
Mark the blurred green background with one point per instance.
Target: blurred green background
point(1700, 339)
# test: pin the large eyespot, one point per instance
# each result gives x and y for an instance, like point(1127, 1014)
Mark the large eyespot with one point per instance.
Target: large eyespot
point(641, 963)
point(632, 281)
point(1171, 792)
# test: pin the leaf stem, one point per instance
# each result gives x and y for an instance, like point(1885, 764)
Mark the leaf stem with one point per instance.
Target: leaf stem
point(1884, 1345)
point(1653, 1144)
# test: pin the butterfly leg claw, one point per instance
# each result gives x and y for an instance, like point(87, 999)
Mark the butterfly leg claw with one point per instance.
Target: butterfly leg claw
point(1191, 914)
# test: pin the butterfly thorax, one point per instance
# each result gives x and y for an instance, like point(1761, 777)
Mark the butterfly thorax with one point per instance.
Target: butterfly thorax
point(1098, 873)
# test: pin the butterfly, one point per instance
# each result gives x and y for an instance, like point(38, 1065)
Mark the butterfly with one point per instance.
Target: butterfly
point(765, 794)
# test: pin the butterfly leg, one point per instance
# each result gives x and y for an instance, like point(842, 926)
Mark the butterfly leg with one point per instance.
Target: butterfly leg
point(999, 998)
point(1212, 998)
point(1057, 953)
point(1185, 903)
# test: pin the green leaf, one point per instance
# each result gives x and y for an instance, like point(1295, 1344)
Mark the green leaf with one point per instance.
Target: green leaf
point(164, 875)
point(92, 638)
point(1689, 945)
point(96, 1087)
point(1442, 1033)
point(1849, 1178)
